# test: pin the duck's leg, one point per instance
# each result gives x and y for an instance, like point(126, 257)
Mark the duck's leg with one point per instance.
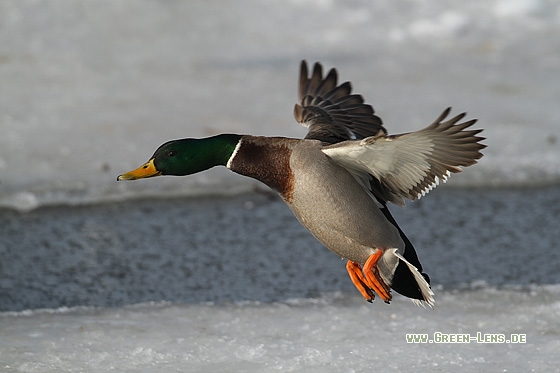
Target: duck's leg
point(359, 281)
point(373, 280)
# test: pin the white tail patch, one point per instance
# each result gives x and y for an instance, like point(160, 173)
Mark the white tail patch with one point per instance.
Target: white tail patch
point(427, 293)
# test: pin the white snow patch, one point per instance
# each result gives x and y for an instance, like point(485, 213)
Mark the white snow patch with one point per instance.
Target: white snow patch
point(330, 334)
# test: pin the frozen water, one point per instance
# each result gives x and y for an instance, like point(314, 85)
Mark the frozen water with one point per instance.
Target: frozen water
point(90, 89)
point(490, 261)
point(333, 333)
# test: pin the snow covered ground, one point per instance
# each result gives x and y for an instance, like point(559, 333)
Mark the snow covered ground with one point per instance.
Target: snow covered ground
point(333, 333)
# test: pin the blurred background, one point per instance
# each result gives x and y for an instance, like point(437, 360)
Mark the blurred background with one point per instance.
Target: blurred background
point(90, 89)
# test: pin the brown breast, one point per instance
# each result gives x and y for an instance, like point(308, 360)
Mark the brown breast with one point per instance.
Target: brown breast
point(266, 159)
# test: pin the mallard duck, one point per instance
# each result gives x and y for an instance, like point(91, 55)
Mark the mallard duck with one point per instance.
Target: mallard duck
point(339, 179)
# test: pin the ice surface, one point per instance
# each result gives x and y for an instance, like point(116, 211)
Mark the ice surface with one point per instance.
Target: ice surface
point(280, 301)
point(332, 333)
point(90, 89)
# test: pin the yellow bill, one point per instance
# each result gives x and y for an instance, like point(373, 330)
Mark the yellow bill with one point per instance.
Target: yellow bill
point(142, 172)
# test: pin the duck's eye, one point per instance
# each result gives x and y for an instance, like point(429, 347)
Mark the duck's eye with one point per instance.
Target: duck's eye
point(172, 153)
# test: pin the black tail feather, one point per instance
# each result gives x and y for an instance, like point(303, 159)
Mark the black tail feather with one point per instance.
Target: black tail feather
point(403, 280)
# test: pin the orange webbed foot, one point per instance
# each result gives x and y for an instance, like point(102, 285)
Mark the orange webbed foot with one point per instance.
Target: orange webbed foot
point(373, 278)
point(359, 281)
point(368, 280)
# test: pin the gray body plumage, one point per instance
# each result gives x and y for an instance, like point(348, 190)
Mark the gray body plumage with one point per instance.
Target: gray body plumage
point(326, 199)
point(335, 208)
point(340, 177)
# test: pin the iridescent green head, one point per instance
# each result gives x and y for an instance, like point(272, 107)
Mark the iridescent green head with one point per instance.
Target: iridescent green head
point(186, 157)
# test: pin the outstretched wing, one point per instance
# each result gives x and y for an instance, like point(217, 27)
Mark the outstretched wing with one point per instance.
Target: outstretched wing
point(330, 112)
point(411, 164)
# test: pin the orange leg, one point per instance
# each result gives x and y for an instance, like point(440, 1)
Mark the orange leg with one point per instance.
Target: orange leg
point(359, 281)
point(373, 280)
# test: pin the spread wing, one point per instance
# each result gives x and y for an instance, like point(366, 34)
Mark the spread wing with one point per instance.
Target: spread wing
point(330, 111)
point(411, 164)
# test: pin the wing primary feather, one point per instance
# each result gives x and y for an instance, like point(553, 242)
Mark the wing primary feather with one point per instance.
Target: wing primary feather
point(332, 113)
point(410, 165)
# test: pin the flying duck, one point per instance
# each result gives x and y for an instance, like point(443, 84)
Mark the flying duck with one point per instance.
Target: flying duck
point(339, 179)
